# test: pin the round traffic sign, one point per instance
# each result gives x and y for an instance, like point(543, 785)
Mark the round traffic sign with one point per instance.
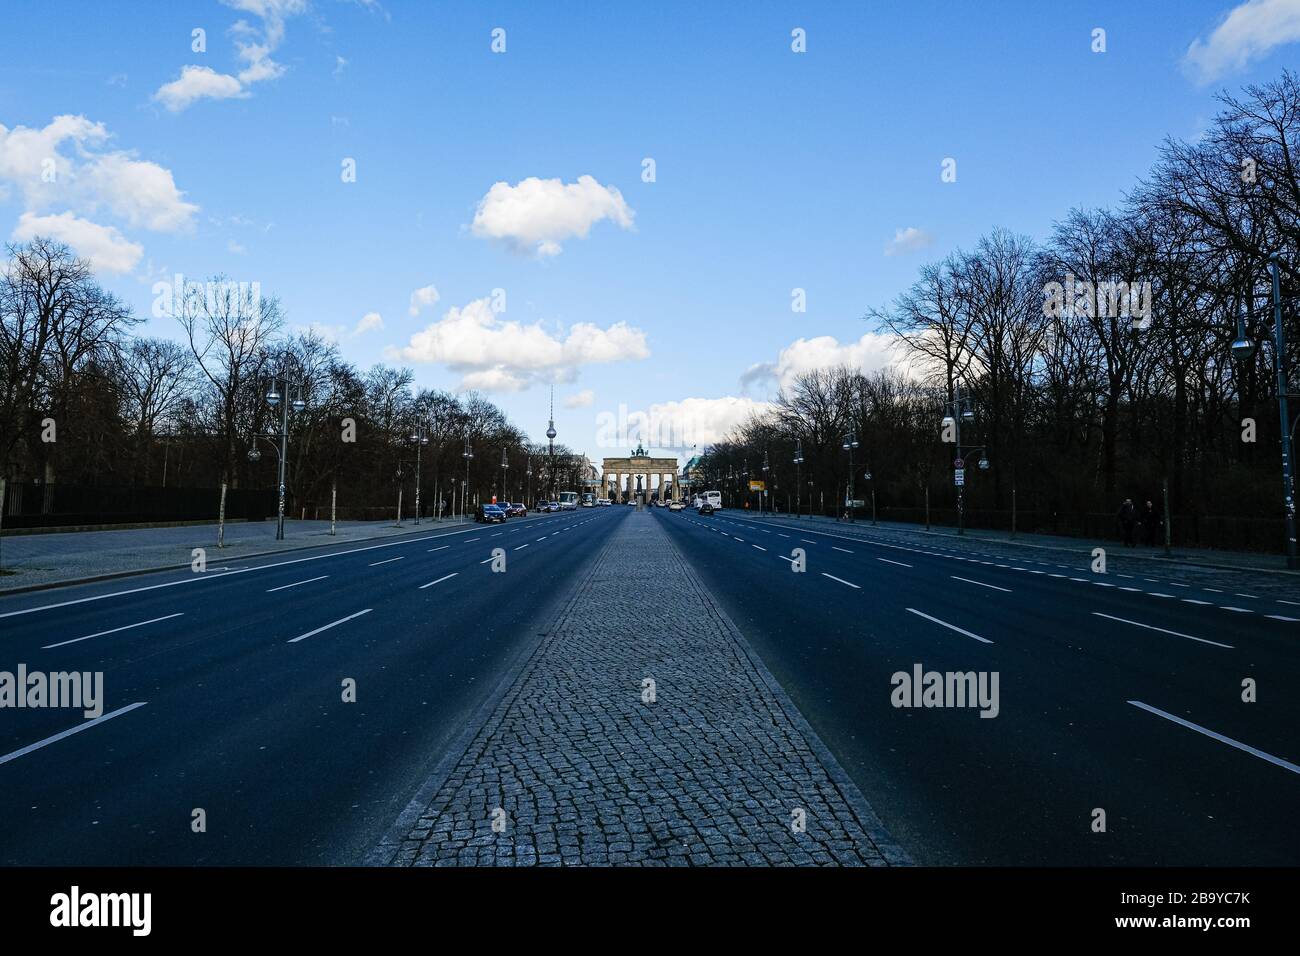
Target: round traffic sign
point(958, 463)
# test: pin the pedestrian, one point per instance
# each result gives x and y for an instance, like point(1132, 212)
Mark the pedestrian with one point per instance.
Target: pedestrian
point(1127, 520)
point(1150, 523)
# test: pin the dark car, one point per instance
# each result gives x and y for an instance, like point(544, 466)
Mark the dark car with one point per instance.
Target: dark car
point(489, 513)
point(516, 510)
point(705, 509)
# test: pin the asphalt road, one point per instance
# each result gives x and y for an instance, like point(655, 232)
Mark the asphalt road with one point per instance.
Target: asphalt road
point(241, 689)
point(1116, 693)
point(1095, 673)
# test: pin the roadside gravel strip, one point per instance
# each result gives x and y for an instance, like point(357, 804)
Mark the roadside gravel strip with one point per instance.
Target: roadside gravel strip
point(575, 765)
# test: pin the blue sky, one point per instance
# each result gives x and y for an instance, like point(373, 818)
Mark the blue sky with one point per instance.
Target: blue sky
point(774, 170)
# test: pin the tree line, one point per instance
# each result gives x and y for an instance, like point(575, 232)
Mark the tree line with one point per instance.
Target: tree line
point(1097, 362)
point(85, 400)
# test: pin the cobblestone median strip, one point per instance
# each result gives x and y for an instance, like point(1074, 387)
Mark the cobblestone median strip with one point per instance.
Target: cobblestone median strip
point(576, 765)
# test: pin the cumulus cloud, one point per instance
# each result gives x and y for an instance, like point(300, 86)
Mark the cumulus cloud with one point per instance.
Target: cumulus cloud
point(423, 298)
point(908, 240)
point(536, 215)
point(686, 424)
point(1248, 32)
point(106, 248)
point(254, 44)
point(495, 355)
point(582, 399)
point(370, 322)
point(871, 353)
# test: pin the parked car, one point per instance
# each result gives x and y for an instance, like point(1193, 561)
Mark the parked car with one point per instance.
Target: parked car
point(516, 510)
point(489, 513)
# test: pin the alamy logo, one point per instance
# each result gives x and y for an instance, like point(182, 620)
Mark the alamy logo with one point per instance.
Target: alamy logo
point(922, 688)
point(83, 690)
point(1076, 298)
point(103, 909)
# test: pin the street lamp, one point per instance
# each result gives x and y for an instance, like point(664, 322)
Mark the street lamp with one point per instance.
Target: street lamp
point(1243, 349)
point(961, 411)
point(505, 463)
point(468, 455)
point(419, 439)
point(763, 491)
point(275, 398)
point(850, 443)
point(798, 477)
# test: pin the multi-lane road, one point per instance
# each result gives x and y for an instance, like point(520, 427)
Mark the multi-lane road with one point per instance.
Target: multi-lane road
point(224, 692)
point(1122, 694)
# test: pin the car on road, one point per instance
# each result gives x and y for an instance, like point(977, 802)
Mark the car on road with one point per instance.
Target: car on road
point(705, 508)
point(676, 506)
point(516, 510)
point(489, 513)
point(549, 506)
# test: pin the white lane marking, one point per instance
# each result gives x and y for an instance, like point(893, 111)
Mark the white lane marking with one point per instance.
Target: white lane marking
point(1103, 584)
point(980, 583)
point(841, 580)
point(386, 561)
point(212, 577)
point(739, 538)
point(845, 550)
point(1276, 761)
point(342, 620)
point(543, 537)
point(445, 577)
point(759, 548)
point(1158, 594)
point(74, 730)
point(1239, 610)
point(806, 541)
point(497, 535)
point(1152, 627)
point(521, 547)
point(443, 548)
point(296, 583)
point(1292, 603)
point(468, 540)
point(784, 558)
point(1194, 601)
point(780, 535)
point(1281, 617)
point(485, 561)
point(951, 627)
point(113, 631)
point(899, 563)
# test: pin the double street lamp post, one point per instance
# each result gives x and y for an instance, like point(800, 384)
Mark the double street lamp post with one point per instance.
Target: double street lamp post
point(1243, 348)
point(468, 455)
point(798, 477)
point(850, 443)
point(278, 397)
point(419, 439)
point(960, 410)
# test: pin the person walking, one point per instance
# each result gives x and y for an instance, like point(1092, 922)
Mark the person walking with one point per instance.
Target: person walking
point(1150, 524)
point(1127, 520)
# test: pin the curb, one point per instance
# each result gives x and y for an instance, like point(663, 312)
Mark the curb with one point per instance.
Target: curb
point(69, 582)
point(385, 851)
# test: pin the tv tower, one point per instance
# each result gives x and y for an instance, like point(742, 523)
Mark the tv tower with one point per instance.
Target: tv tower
point(550, 444)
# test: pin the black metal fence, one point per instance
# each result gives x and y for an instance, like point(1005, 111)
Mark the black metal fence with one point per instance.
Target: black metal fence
point(52, 505)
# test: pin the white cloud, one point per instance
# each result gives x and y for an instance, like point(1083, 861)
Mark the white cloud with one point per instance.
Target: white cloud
point(494, 355)
point(872, 352)
point(370, 322)
point(199, 83)
point(142, 193)
point(534, 216)
point(254, 44)
point(423, 298)
point(908, 240)
point(1248, 32)
point(106, 248)
point(235, 248)
point(582, 399)
point(688, 425)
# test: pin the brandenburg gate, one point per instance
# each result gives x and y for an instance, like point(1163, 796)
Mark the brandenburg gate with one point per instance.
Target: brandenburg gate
point(617, 475)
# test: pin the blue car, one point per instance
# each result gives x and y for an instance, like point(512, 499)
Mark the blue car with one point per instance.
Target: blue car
point(489, 513)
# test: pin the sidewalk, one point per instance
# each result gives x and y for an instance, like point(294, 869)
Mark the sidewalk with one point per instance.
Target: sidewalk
point(45, 559)
point(578, 769)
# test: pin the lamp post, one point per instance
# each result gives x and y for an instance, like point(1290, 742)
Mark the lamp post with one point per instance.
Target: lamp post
point(505, 464)
point(1243, 349)
point(278, 398)
point(419, 439)
point(468, 455)
point(867, 477)
point(959, 411)
point(528, 472)
point(763, 492)
point(850, 443)
point(798, 477)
